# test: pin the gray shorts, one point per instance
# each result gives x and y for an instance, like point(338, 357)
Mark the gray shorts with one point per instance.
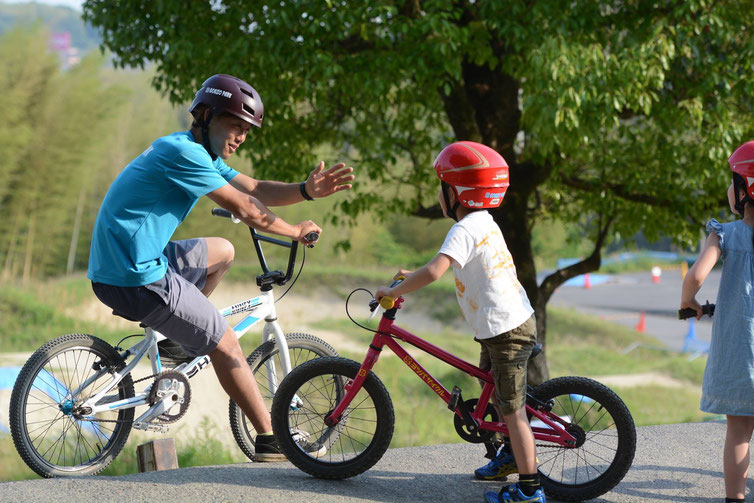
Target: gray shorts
point(173, 305)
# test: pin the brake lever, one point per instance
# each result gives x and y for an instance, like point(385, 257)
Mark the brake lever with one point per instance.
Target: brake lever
point(373, 305)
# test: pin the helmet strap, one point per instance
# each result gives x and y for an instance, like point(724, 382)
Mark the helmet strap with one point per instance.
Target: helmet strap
point(446, 188)
point(205, 136)
point(740, 184)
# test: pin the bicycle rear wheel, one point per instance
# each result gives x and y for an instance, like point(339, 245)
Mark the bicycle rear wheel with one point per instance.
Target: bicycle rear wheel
point(353, 445)
point(605, 433)
point(51, 433)
point(301, 348)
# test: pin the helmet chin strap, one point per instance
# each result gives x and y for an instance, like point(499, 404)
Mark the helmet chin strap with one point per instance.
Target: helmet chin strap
point(205, 136)
point(738, 184)
point(446, 188)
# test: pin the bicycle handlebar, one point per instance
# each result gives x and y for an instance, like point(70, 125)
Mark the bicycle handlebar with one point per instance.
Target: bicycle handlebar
point(685, 313)
point(388, 302)
point(270, 276)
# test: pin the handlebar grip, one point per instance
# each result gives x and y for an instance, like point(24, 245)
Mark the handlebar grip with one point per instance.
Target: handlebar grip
point(707, 308)
point(220, 212)
point(312, 237)
point(387, 302)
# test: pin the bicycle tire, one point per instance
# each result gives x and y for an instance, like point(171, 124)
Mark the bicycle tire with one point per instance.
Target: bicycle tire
point(607, 439)
point(41, 415)
point(353, 446)
point(301, 347)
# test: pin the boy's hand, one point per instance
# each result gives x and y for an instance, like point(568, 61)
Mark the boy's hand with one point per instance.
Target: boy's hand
point(402, 274)
point(383, 291)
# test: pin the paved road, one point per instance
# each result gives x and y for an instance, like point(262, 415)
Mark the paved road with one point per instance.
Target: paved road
point(673, 463)
point(622, 299)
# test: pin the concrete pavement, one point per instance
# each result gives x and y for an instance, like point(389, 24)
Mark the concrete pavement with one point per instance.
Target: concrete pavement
point(673, 463)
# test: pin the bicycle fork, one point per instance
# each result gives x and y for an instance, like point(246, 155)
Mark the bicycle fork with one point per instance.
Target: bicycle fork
point(353, 387)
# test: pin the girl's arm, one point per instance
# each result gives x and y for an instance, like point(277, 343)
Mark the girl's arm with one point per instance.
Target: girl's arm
point(420, 278)
point(698, 273)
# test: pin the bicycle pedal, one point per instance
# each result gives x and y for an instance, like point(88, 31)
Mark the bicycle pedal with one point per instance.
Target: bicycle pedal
point(455, 398)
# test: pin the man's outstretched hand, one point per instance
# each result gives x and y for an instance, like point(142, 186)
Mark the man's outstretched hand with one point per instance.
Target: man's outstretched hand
point(322, 183)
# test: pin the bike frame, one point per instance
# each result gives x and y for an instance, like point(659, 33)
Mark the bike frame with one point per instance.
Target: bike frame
point(257, 308)
point(388, 335)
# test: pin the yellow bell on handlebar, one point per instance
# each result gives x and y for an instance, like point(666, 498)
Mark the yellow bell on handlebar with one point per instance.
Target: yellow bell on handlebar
point(388, 302)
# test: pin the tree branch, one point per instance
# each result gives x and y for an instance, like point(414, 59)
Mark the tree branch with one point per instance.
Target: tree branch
point(591, 263)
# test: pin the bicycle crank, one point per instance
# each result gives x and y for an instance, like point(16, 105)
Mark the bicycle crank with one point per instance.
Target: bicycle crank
point(477, 436)
point(169, 398)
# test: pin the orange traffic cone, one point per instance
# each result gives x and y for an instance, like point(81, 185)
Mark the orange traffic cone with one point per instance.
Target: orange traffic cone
point(656, 272)
point(587, 283)
point(642, 325)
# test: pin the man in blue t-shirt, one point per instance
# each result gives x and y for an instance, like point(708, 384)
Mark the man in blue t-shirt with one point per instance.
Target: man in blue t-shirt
point(138, 272)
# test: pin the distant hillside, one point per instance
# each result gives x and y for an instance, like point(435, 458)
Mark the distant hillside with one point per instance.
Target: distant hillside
point(57, 19)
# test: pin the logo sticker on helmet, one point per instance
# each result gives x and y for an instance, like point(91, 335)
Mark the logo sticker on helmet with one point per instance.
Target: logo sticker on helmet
point(219, 92)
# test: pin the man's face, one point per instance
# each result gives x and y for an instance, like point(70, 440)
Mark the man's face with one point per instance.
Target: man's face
point(226, 134)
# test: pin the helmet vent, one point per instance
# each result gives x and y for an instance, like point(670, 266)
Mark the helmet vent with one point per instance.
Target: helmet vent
point(248, 109)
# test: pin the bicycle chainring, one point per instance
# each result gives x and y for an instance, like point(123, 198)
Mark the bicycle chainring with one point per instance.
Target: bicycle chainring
point(479, 436)
point(171, 381)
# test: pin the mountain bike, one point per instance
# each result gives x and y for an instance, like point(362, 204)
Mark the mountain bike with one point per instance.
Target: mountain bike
point(586, 438)
point(73, 404)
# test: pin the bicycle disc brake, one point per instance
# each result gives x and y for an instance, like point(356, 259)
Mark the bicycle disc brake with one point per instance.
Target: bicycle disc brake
point(171, 382)
point(479, 436)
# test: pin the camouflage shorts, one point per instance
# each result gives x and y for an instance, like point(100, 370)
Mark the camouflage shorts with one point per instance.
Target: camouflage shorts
point(507, 355)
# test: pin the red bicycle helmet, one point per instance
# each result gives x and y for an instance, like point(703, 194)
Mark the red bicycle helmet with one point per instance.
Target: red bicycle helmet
point(476, 173)
point(742, 162)
point(228, 94)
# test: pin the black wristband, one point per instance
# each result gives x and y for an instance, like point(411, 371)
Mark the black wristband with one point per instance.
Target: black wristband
point(302, 188)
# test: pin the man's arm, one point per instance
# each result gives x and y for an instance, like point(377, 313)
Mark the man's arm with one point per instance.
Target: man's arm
point(255, 214)
point(320, 183)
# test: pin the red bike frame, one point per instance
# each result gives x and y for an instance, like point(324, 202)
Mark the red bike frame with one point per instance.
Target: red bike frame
point(386, 335)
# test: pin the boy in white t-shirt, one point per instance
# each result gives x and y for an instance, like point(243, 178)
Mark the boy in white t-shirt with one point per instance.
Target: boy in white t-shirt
point(475, 177)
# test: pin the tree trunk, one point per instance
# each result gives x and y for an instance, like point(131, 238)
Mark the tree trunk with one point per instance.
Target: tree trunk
point(513, 220)
point(75, 233)
point(29, 251)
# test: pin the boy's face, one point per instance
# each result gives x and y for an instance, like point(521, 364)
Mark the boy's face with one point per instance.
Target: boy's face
point(226, 134)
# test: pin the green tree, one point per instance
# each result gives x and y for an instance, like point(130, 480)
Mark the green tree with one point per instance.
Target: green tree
point(616, 115)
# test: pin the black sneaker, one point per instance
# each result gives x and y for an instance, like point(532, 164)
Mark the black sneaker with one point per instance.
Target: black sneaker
point(172, 354)
point(267, 449)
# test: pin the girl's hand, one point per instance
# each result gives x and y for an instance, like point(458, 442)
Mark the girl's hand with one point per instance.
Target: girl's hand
point(693, 304)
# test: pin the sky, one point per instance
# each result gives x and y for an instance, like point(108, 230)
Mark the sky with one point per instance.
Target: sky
point(74, 4)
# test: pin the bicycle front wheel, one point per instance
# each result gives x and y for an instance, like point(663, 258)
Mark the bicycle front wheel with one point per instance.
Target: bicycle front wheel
point(53, 434)
point(605, 434)
point(268, 371)
point(307, 395)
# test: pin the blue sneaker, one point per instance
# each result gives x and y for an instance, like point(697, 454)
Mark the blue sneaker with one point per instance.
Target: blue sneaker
point(513, 493)
point(498, 468)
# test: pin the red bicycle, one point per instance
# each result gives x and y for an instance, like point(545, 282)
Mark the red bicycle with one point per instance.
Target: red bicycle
point(585, 434)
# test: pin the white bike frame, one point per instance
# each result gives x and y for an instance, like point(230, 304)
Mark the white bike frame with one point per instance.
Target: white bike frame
point(258, 308)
